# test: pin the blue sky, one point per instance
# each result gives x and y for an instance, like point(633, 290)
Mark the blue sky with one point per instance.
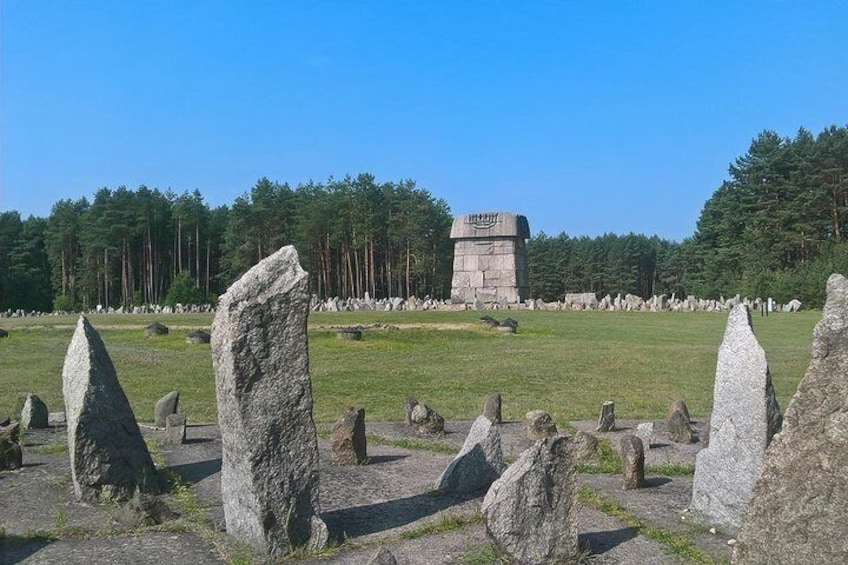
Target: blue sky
point(587, 117)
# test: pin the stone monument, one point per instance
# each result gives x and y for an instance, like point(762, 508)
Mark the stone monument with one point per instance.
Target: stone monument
point(490, 258)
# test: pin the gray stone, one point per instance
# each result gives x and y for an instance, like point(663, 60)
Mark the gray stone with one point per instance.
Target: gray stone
point(645, 432)
point(492, 407)
point(632, 462)
point(429, 421)
point(198, 337)
point(34, 413)
point(606, 420)
point(11, 457)
point(679, 428)
point(796, 513)
point(348, 441)
point(531, 511)
point(745, 416)
point(409, 404)
point(383, 557)
point(109, 458)
point(166, 405)
point(260, 355)
point(175, 429)
point(144, 510)
point(56, 419)
point(3, 333)
point(585, 445)
point(350, 334)
point(539, 425)
point(677, 405)
point(155, 329)
point(478, 464)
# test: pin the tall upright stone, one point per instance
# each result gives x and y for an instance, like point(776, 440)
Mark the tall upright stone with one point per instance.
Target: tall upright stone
point(745, 417)
point(109, 458)
point(478, 464)
point(269, 471)
point(34, 413)
point(490, 258)
point(797, 510)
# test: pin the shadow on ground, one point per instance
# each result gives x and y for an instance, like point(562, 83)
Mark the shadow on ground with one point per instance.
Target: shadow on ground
point(196, 472)
point(600, 542)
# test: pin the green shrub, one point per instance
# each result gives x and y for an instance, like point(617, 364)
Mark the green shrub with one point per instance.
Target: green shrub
point(184, 291)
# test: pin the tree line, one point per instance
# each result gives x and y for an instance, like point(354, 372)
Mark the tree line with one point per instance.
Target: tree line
point(777, 226)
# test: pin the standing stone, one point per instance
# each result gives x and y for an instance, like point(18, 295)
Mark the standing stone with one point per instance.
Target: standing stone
point(34, 413)
point(539, 425)
point(409, 404)
point(745, 417)
point(109, 458)
point(492, 407)
point(175, 429)
point(348, 439)
point(585, 445)
point(606, 421)
point(531, 511)
point(645, 432)
point(260, 354)
point(796, 513)
point(632, 462)
point(678, 405)
point(429, 421)
point(479, 462)
point(164, 406)
point(679, 428)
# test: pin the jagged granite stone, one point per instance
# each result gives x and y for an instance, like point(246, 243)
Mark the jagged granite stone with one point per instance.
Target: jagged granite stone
point(409, 404)
point(539, 425)
point(632, 462)
point(478, 464)
point(679, 428)
point(260, 355)
point(175, 429)
point(429, 422)
point(645, 432)
point(492, 407)
point(797, 511)
point(165, 406)
point(745, 416)
point(531, 511)
point(606, 420)
point(34, 414)
point(109, 458)
point(348, 442)
point(678, 405)
point(585, 445)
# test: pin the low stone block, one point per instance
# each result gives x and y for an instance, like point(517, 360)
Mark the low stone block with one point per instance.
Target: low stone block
point(166, 405)
point(175, 429)
point(348, 441)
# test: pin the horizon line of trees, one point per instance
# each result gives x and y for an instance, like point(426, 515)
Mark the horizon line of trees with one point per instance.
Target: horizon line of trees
point(778, 226)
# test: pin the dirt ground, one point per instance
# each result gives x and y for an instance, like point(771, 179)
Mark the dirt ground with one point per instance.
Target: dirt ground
point(388, 502)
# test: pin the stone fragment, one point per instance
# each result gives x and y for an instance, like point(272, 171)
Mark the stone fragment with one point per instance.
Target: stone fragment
point(166, 405)
point(796, 513)
point(679, 428)
point(632, 462)
point(539, 425)
point(383, 557)
point(34, 414)
point(585, 445)
point(348, 439)
point(745, 416)
point(606, 420)
point(531, 511)
point(478, 464)
point(155, 329)
point(429, 421)
point(175, 429)
point(645, 432)
point(11, 456)
point(492, 407)
point(197, 337)
point(409, 404)
point(677, 405)
point(260, 355)
point(109, 458)
point(144, 510)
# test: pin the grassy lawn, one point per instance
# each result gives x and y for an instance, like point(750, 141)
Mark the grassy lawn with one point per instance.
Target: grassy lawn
point(567, 363)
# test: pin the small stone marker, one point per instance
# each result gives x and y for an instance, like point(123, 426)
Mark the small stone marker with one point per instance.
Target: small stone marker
point(34, 414)
point(155, 329)
point(632, 462)
point(348, 441)
point(796, 513)
point(585, 445)
point(175, 429)
point(645, 432)
point(11, 456)
point(109, 458)
point(679, 428)
point(429, 421)
point(606, 421)
point(260, 354)
point(745, 417)
point(531, 511)
point(677, 405)
point(409, 404)
point(539, 425)
point(383, 557)
point(478, 464)
point(197, 337)
point(164, 406)
point(492, 407)
point(351, 334)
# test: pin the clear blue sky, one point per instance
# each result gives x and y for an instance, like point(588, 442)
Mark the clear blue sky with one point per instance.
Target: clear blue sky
point(587, 117)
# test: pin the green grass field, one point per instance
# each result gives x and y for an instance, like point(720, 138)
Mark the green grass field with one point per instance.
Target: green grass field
point(566, 363)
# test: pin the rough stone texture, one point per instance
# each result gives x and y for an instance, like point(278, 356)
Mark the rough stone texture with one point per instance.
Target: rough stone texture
point(409, 404)
point(478, 464)
point(645, 432)
point(197, 337)
point(745, 416)
point(260, 354)
point(585, 445)
point(531, 511)
point(144, 510)
point(677, 405)
point(539, 425)
point(109, 458)
point(429, 422)
point(34, 414)
point(492, 407)
point(705, 435)
point(796, 513)
point(155, 329)
point(490, 258)
point(11, 457)
point(166, 405)
point(606, 420)
point(175, 429)
point(383, 557)
point(679, 428)
point(348, 439)
point(632, 462)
